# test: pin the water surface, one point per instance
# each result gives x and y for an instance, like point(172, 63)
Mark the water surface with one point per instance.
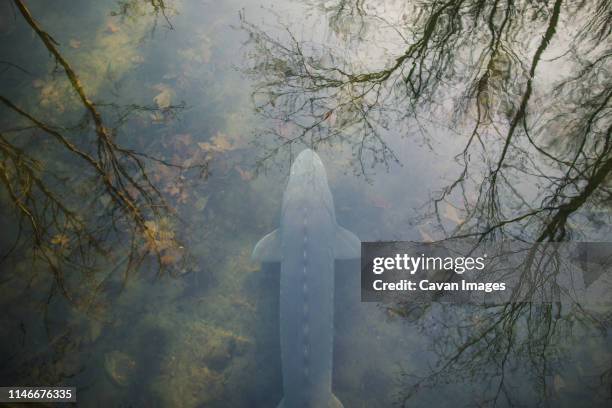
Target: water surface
point(144, 147)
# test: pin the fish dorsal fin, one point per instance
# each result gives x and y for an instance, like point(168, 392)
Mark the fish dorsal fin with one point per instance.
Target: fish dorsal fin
point(268, 249)
point(347, 245)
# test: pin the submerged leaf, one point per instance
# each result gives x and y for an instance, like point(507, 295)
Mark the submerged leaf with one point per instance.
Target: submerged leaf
point(244, 174)
point(200, 205)
point(60, 240)
point(171, 256)
point(173, 190)
point(219, 143)
point(74, 43)
point(159, 236)
point(450, 213)
point(164, 98)
point(111, 27)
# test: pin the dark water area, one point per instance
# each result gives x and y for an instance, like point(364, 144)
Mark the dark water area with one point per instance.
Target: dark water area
point(144, 151)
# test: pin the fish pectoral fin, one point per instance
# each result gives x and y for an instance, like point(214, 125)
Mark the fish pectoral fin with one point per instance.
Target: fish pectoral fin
point(347, 245)
point(281, 404)
point(268, 249)
point(334, 402)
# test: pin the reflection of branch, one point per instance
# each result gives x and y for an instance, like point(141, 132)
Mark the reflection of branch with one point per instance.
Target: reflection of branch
point(555, 229)
point(535, 152)
point(10, 64)
point(317, 100)
point(158, 6)
point(131, 195)
point(107, 146)
point(307, 113)
point(550, 31)
point(22, 195)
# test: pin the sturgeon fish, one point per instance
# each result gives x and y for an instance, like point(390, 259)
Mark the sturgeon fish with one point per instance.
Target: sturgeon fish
point(306, 244)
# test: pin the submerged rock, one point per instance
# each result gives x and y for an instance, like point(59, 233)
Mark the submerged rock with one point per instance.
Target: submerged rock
point(120, 367)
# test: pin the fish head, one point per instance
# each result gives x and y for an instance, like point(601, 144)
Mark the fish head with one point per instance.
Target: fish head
point(307, 186)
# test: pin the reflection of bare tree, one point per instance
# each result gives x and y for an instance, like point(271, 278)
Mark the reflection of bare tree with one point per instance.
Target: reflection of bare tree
point(313, 103)
point(130, 206)
point(347, 18)
point(537, 142)
point(531, 335)
point(317, 95)
point(135, 8)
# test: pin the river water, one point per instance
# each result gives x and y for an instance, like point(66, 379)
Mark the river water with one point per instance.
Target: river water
point(162, 305)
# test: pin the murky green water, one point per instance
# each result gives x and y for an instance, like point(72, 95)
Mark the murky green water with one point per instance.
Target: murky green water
point(144, 146)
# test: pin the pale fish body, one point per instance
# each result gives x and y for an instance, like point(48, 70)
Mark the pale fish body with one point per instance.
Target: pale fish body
point(306, 244)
